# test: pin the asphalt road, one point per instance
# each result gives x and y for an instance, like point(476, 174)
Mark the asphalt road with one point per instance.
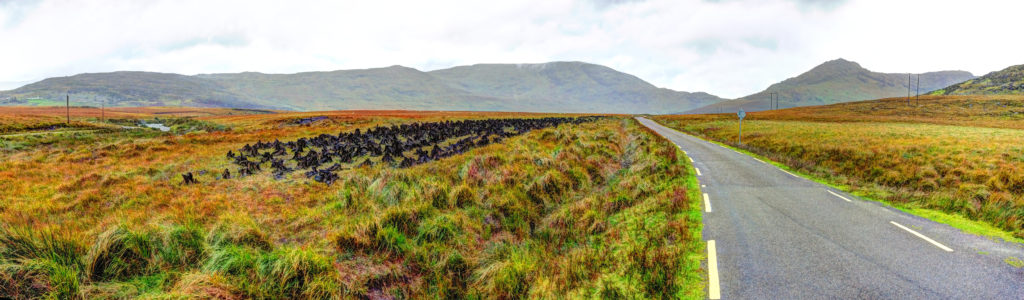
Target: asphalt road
point(779, 236)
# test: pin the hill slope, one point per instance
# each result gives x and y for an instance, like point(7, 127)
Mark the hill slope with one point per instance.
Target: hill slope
point(572, 86)
point(131, 89)
point(1005, 81)
point(551, 87)
point(394, 87)
point(837, 81)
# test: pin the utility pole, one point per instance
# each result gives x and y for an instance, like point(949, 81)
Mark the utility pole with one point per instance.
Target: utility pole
point(908, 89)
point(918, 93)
point(67, 105)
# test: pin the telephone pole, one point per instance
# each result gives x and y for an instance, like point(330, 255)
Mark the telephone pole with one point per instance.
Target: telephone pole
point(67, 106)
point(103, 104)
point(918, 93)
point(908, 89)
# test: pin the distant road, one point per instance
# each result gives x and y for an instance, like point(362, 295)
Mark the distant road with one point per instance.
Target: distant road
point(778, 236)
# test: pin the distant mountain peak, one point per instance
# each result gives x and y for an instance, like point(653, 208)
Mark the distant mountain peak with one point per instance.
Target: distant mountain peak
point(838, 66)
point(835, 81)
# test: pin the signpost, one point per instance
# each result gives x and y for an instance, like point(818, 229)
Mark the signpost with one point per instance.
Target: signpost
point(742, 114)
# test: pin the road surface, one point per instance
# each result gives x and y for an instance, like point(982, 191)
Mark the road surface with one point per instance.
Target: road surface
point(779, 236)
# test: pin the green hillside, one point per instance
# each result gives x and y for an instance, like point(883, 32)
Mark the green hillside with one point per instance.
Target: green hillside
point(551, 87)
point(128, 89)
point(572, 85)
point(1005, 81)
point(393, 87)
point(838, 81)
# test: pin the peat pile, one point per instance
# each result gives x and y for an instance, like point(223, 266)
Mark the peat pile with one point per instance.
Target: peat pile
point(402, 146)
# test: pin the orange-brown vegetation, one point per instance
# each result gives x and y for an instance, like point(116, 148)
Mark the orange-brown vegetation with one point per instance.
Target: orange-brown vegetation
point(590, 210)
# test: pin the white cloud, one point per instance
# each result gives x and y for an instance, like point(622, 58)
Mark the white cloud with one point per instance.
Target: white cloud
point(730, 48)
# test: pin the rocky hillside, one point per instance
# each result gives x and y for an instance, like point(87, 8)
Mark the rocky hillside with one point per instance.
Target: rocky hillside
point(1006, 81)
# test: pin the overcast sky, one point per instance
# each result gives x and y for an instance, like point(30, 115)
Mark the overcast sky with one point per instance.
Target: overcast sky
point(729, 48)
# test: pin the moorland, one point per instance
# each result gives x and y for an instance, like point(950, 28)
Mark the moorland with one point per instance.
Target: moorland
point(99, 207)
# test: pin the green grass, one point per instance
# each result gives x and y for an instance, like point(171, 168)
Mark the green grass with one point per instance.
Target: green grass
point(1015, 262)
point(695, 286)
point(44, 102)
point(964, 224)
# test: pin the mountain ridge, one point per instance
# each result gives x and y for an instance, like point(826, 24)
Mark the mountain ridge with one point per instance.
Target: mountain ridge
point(836, 81)
point(553, 87)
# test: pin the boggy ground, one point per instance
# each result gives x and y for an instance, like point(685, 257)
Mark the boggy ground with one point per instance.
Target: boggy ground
point(950, 158)
point(597, 209)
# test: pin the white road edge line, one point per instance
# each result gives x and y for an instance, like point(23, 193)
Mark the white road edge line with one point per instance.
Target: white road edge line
point(837, 195)
point(714, 291)
point(790, 174)
point(707, 203)
point(698, 171)
point(691, 158)
point(937, 244)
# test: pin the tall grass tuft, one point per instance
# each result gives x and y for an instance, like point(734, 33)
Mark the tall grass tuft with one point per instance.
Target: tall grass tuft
point(39, 264)
point(120, 253)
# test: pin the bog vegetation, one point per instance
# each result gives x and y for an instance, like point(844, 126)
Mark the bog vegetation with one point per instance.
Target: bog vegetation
point(962, 155)
point(581, 210)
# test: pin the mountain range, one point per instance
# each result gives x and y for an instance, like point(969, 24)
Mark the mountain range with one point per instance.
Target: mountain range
point(838, 81)
point(547, 87)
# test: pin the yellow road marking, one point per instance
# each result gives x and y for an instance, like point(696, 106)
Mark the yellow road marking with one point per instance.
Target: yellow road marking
point(707, 203)
point(714, 291)
point(837, 195)
point(937, 244)
point(698, 171)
